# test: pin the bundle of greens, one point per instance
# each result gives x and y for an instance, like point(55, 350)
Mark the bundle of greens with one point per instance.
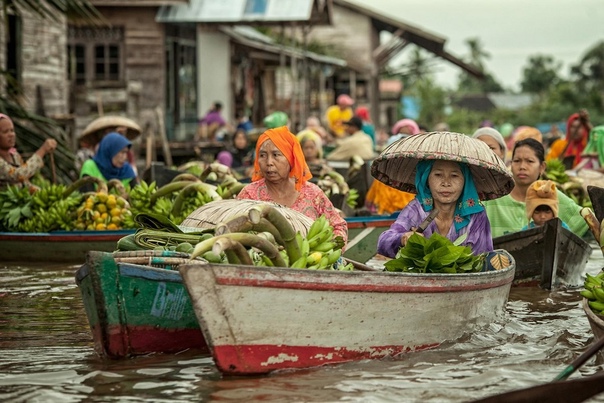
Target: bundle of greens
point(435, 255)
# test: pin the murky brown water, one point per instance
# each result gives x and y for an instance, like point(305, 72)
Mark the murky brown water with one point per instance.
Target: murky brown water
point(46, 355)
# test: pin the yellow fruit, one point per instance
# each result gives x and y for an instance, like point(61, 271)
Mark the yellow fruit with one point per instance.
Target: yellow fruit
point(115, 212)
point(101, 197)
point(90, 227)
point(96, 215)
point(112, 227)
point(104, 216)
point(121, 202)
point(117, 220)
point(99, 220)
point(101, 208)
point(111, 201)
point(80, 226)
point(101, 227)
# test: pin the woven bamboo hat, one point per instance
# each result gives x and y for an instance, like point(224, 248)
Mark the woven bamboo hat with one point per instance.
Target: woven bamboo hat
point(93, 132)
point(211, 214)
point(396, 165)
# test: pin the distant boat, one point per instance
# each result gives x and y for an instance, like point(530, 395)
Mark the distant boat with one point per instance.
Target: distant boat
point(549, 255)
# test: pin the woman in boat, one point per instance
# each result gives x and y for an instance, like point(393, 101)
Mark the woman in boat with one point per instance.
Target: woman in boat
point(493, 139)
point(13, 171)
point(281, 175)
point(508, 213)
point(312, 147)
point(448, 188)
point(111, 161)
point(571, 147)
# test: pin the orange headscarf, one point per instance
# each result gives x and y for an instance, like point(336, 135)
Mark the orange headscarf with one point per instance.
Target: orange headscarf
point(288, 144)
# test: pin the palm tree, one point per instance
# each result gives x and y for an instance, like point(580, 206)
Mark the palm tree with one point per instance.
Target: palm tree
point(32, 128)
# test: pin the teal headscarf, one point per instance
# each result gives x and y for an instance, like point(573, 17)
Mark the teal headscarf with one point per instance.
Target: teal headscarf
point(468, 202)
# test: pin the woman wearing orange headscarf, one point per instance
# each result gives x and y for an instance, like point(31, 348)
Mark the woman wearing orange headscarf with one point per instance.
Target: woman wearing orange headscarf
point(578, 127)
point(281, 175)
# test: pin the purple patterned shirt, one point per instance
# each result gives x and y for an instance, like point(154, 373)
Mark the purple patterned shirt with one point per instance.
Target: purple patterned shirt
point(478, 230)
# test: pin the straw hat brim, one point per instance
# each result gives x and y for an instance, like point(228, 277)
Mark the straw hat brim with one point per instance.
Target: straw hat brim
point(92, 132)
point(396, 165)
point(211, 214)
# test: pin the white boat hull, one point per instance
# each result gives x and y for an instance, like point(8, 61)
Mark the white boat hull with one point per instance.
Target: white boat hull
point(256, 320)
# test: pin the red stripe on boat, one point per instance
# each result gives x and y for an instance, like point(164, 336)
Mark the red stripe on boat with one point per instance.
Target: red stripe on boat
point(259, 359)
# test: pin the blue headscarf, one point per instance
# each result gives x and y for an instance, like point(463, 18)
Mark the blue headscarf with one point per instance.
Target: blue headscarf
point(468, 202)
point(109, 146)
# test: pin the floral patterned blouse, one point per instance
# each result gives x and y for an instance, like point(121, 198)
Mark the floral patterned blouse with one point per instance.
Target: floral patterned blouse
point(311, 202)
point(16, 172)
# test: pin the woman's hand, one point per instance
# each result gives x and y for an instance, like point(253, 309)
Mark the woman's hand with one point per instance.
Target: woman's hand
point(49, 146)
point(405, 237)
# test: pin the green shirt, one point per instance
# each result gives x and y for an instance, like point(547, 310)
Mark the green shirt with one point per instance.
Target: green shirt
point(91, 169)
point(508, 215)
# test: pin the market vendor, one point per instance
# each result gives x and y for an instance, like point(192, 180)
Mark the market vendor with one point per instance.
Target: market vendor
point(444, 182)
point(111, 161)
point(281, 175)
point(13, 171)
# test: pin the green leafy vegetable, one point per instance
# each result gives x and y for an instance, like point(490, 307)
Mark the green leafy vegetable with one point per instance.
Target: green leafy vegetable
point(435, 255)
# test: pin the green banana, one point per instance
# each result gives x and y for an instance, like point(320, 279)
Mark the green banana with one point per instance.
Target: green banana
point(598, 292)
point(325, 246)
point(212, 257)
point(316, 227)
point(300, 263)
point(588, 294)
point(596, 306)
point(334, 256)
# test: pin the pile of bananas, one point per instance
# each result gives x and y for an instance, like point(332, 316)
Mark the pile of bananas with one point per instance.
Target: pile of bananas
point(319, 249)
point(50, 208)
point(572, 187)
point(102, 211)
point(332, 183)
point(264, 237)
point(594, 292)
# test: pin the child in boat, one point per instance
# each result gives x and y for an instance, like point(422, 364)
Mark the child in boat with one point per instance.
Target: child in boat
point(541, 203)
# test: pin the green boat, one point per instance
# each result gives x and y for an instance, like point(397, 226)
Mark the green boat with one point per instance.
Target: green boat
point(135, 309)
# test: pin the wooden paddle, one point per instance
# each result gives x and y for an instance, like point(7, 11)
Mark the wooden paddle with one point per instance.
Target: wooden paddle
point(580, 360)
point(53, 167)
point(559, 390)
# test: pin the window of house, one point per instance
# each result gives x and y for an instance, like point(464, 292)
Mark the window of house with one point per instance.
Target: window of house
point(95, 55)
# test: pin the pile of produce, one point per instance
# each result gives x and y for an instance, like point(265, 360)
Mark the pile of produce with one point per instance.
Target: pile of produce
point(436, 254)
point(556, 172)
point(263, 237)
point(594, 292)
point(332, 183)
point(111, 207)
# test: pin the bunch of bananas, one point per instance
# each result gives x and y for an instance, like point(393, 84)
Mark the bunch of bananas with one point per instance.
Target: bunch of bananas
point(102, 212)
point(556, 171)
point(140, 202)
point(15, 206)
point(266, 238)
point(53, 207)
point(320, 251)
point(594, 292)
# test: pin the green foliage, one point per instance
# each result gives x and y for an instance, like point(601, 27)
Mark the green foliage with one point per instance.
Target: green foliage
point(434, 255)
point(540, 74)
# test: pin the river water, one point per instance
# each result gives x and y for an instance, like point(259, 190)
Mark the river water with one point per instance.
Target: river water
point(46, 355)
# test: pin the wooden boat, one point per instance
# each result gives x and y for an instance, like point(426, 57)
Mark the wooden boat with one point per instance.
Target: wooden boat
point(549, 256)
point(596, 322)
point(59, 246)
point(136, 309)
point(363, 234)
point(258, 320)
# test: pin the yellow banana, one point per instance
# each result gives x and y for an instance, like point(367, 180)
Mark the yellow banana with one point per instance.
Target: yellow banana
point(314, 258)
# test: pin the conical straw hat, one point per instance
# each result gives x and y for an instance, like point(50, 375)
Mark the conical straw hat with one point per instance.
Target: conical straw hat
point(396, 165)
point(92, 131)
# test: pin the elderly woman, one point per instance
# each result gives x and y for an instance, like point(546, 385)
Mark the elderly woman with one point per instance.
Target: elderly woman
point(281, 175)
point(312, 147)
point(508, 213)
point(111, 161)
point(493, 139)
point(13, 171)
point(447, 187)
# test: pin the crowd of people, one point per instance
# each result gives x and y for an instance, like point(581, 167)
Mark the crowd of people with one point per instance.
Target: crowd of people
point(281, 163)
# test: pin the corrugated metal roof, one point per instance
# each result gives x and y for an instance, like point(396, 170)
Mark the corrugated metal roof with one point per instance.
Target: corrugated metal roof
point(243, 11)
point(248, 36)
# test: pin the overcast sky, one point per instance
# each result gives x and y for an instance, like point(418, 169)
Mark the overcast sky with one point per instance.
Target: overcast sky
point(510, 30)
